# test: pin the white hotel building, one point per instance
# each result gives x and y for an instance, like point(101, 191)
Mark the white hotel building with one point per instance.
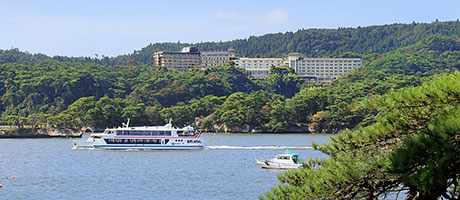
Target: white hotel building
point(322, 69)
point(258, 67)
point(310, 69)
point(216, 58)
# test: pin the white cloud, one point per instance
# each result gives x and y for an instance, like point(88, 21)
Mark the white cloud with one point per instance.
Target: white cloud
point(275, 17)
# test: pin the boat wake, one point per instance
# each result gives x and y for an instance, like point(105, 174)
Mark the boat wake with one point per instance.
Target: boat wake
point(258, 147)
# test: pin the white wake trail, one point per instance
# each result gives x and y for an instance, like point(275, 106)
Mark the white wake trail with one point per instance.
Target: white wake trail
point(257, 147)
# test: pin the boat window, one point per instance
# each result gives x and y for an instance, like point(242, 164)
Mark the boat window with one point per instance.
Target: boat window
point(180, 132)
point(135, 141)
point(168, 133)
point(295, 158)
point(108, 141)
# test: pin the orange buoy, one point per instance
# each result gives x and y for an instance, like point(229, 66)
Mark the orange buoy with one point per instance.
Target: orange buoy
point(121, 156)
point(1, 186)
point(247, 166)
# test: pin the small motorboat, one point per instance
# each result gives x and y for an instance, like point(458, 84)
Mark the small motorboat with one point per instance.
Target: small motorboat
point(287, 160)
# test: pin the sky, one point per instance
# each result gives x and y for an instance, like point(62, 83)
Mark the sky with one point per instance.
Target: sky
point(115, 27)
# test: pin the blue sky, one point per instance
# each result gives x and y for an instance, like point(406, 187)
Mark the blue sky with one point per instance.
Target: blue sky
point(113, 27)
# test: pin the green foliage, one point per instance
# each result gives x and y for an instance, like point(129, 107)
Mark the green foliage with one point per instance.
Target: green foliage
point(413, 146)
point(104, 91)
point(319, 42)
point(58, 89)
point(284, 81)
point(380, 74)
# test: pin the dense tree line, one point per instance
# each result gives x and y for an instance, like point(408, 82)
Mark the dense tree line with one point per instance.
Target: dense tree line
point(280, 103)
point(310, 42)
point(318, 42)
point(50, 87)
point(336, 106)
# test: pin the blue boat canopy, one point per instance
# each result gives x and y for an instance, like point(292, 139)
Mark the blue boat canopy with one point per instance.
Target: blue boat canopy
point(290, 152)
point(295, 156)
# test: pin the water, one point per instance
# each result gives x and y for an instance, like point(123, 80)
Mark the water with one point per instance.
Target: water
point(225, 169)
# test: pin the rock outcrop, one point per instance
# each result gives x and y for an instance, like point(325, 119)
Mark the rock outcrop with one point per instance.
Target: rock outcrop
point(39, 133)
point(249, 129)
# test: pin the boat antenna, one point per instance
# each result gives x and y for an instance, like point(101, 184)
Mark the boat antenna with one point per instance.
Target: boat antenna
point(127, 124)
point(170, 120)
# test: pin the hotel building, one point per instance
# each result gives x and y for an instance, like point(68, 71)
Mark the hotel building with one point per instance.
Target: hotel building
point(310, 69)
point(258, 67)
point(216, 58)
point(322, 69)
point(188, 58)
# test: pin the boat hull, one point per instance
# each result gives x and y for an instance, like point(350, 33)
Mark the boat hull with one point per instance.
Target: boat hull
point(90, 145)
point(269, 164)
point(147, 147)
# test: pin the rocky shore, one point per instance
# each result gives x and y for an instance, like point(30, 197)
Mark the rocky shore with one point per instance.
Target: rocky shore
point(39, 133)
point(248, 129)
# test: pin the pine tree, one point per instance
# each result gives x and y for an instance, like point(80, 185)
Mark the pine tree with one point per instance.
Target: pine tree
point(413, 148)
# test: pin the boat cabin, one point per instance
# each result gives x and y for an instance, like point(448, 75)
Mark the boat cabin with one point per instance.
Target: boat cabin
point(289, 157)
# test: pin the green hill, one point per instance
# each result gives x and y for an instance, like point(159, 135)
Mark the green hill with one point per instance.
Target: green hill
point(72, 92)
point(318, 42)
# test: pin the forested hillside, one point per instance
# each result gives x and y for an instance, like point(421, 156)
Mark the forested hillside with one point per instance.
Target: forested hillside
point(337, 105)
point(309, 42)
point(318, 42)
point(44, 91)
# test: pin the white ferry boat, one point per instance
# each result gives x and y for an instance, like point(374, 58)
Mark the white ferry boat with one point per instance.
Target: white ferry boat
point(143, 138)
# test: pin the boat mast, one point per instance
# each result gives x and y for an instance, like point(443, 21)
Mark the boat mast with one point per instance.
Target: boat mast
point(126, 125)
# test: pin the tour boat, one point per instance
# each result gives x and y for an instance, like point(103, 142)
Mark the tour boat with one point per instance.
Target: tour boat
point(288, 160)
point(143, 138)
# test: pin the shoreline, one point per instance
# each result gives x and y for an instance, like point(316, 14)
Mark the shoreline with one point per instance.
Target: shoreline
point(39, 133)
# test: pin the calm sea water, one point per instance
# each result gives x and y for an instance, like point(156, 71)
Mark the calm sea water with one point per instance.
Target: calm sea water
point(225, 169)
